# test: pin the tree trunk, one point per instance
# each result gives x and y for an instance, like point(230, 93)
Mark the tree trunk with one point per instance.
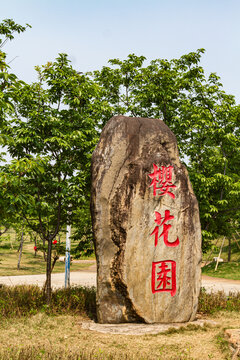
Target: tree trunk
point(20, 253)
point(229, 249)
point(44, 252)
point(210, 255)
point(54, 262)
point(219, 255)
point(236, 241)
point(35, 242)
point(3, 232)
point(48, 272)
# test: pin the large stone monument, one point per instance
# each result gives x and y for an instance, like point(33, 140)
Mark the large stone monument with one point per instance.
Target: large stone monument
point(146, 225)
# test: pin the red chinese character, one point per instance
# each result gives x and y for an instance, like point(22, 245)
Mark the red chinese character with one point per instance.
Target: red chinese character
point(164, 277)
point(161, 221)
point(162, 176)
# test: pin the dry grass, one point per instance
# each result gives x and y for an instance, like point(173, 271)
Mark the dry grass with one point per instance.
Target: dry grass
point(61, 337)
point(31, 330)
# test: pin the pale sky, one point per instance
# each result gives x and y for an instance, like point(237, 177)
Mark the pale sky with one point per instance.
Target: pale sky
point(93, 31)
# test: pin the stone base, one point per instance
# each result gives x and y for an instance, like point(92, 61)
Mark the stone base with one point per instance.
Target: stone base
point(233, 336)
point(144, 329)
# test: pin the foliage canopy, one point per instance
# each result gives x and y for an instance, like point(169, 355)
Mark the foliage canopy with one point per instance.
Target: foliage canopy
point(50, 135)
point(205, 120)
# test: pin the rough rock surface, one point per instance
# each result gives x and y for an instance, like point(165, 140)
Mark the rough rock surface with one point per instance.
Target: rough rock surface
point(148, 246)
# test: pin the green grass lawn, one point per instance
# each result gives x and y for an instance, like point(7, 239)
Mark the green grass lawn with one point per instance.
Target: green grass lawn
point(225, 270)
point(30, 264)
point(235, 251)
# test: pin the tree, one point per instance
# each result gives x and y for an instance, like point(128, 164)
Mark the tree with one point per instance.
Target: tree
point(205, 120)
point(8, 83)
point(83, 231)
point(50, 137)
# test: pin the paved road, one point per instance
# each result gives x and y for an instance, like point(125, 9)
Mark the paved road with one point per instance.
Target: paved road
point(216, 284)
point(76, 278)
point(88, 278)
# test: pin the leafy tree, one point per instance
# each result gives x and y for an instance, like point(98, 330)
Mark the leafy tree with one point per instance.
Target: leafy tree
point(203, 117)
point(83, 231)
point(50, 137)
point(8, 83)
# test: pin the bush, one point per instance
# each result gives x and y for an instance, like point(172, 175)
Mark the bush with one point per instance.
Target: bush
point(24, 300)
point(217, 301)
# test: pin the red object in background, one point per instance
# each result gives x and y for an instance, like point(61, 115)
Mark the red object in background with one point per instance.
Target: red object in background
point(164, 277)
point(35, 248)
point(161, 221)
point(162, 177)
point(54, 242)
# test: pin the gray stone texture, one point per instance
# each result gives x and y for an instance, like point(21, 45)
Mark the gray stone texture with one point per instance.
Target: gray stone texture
point(146, 329)
point(123, 213)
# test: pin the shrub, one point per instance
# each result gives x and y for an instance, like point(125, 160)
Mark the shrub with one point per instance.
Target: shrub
point(25, 300)
point(210, 303)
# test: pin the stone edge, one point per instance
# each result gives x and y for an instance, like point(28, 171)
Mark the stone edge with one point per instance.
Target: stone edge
point(145, 329)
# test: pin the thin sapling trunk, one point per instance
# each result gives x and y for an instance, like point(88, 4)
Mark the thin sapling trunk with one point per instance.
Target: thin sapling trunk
point(35, 245)
point(229, 249)
point(44, 252)
point(48, 272)
point(20, 252)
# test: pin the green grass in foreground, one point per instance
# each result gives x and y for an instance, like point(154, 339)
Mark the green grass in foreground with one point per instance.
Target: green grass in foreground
point(225, 270)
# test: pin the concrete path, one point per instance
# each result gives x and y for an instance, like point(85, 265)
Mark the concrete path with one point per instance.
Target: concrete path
point(88, 278)
point(76, 278)
point(216, 284)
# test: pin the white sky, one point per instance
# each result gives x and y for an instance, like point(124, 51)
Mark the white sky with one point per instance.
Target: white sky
point(93, 31)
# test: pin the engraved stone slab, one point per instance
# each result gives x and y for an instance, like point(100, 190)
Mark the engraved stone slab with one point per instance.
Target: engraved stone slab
point(146, 225)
